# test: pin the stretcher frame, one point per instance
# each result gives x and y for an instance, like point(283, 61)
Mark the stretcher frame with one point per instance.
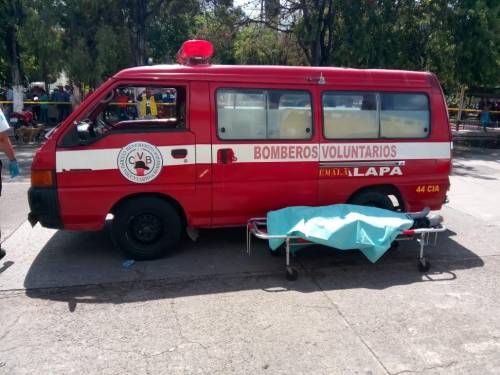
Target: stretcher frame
point(258, 227)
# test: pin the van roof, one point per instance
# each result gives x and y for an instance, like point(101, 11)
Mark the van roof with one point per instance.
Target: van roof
point(280, 74)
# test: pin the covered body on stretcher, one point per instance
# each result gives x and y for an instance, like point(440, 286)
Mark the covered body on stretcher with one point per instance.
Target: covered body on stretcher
point(344, 227)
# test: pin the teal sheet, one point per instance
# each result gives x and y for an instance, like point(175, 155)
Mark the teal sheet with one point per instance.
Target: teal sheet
point(341, 226)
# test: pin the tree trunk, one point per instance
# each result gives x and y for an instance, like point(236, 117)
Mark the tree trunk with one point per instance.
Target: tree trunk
point(15, 64)
point(138, 18)
point(313, 18)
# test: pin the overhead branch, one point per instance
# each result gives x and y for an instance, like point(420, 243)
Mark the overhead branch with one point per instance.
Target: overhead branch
point(267, 24)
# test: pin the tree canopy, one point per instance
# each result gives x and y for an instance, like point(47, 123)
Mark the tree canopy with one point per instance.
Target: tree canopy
point(92, 39)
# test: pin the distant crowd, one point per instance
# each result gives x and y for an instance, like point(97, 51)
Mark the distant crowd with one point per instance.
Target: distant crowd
point(48, 108)
point(488, 105)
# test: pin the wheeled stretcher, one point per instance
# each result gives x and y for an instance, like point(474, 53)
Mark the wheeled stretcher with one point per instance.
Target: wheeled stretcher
point(424, 236)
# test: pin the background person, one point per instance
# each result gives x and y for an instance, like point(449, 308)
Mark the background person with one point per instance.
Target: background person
point(58, 97)
point(147, 105)
point(485, 117)
point(6, 147)
point(44, 108)
point(34, 95)
point(68, 98)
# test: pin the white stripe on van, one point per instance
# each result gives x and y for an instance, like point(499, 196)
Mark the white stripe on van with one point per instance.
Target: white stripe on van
point(289, 152)
point(203, 154)
point(249, 153)
point(264, 153)
point(108, 158)
point(385, 151)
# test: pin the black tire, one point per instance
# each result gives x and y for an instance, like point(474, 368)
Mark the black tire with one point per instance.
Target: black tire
point(146, 228)
point(373, 199)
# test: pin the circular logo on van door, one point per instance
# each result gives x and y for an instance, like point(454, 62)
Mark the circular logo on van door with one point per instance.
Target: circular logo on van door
point(140, 162)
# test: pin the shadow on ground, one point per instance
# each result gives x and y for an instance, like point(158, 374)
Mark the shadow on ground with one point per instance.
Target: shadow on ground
point(476, 153)
point(85, 268)
point(462, 166)
point(482, 173)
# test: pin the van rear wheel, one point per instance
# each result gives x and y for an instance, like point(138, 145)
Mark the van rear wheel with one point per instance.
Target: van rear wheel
point(373, 199)
point(146, 228)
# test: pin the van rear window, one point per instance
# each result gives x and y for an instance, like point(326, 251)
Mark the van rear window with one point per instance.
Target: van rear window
point(369, 115)
point(404, 116)
point(263, 114)
point(350, 115)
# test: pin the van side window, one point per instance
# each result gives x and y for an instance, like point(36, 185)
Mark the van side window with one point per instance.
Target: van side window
point(131, 108)
point(263, 114)
point(373, 115)
point(404, 116)
point(150, 106)
point(350, 115)
point(127, 108)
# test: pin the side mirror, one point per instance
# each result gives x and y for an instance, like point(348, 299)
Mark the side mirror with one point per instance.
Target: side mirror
point(84, 131)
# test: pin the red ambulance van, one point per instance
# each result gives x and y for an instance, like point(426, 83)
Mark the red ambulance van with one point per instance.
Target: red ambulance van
point(166, 147)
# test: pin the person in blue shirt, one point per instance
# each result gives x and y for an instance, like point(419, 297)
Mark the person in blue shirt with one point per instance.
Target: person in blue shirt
point(485, 118)
point(59, 98)
point(6, 147)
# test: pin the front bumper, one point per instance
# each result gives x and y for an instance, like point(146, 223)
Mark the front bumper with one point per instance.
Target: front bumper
point(44, 207)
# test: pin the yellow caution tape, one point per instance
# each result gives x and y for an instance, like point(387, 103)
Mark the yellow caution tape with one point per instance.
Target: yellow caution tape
point(69, 103)
point(34, 102)
point(470, 110)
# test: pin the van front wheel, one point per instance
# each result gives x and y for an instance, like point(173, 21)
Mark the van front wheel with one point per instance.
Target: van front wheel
point(146, 228)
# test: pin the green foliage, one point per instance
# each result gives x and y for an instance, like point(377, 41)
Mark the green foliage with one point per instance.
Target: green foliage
point(260, 45)
point(92, 39)
point(220, 25)
point(459, 41)
point(41, 41)
point(476, 37)
point(112, 50)
point(78, 61)
point(94, 43)
point(13, 14)
point(173, 25)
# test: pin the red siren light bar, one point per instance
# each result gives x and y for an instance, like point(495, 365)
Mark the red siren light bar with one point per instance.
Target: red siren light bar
point(195, 52)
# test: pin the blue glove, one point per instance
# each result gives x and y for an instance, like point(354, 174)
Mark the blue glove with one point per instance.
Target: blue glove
point(14, 168)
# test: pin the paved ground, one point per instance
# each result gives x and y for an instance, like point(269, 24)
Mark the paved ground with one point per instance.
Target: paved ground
point(14, 202)
point(475, 180)
point(68, 306)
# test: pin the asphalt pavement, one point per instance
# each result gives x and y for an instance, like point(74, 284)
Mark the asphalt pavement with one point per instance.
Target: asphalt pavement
point(69, 306)
point(14, 200)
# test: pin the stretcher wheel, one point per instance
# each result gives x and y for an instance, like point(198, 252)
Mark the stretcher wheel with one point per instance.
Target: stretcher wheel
point(291, 274)
point(423, 265)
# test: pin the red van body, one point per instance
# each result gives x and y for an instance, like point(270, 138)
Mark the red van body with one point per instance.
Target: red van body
point(210, 179)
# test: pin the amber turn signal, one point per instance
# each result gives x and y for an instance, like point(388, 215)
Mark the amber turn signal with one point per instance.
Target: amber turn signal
point(42, 178)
